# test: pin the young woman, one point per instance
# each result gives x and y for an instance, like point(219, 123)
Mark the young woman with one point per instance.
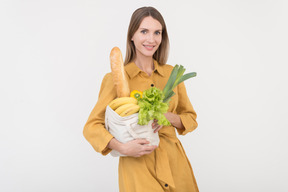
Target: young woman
point(147, 168)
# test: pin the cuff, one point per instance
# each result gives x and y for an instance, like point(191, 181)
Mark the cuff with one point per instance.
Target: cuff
point(188, 123)
point(105, 150)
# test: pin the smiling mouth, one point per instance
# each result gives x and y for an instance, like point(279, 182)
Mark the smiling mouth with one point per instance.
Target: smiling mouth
point(149, 46)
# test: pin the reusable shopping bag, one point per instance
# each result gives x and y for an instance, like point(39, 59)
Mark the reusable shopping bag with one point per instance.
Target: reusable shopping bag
point(125, 129)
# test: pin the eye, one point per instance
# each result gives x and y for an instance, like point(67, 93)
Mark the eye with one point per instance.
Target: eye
point(157, 32)
point(143, 31)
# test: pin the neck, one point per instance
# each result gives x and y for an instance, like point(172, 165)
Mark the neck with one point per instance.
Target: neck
point(146, 64)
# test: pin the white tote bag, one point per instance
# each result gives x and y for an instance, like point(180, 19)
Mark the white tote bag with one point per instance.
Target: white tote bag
point(125, 129)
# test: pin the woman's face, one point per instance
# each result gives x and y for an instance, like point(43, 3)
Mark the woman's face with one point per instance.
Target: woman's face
point(148, 37)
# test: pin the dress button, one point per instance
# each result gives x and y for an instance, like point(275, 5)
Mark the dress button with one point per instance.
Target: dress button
point(152, 85)
point(166, 185)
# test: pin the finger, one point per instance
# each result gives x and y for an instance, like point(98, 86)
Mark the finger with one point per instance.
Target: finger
point(149, 148)
point(156, 130)
point(145, 152)
point(154, 147)
point(143, 141)
point(148, 152)
point(155, 125)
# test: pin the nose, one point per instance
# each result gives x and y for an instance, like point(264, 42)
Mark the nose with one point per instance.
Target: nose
point(150, 38)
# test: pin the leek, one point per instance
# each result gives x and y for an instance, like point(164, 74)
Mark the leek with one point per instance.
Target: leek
point(176, 77)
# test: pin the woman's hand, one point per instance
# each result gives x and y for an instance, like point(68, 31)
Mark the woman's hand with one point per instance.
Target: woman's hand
point(156, 126)
point(137, 148)
point(175, 120)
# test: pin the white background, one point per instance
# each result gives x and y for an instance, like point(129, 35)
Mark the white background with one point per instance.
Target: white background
point(55, 53)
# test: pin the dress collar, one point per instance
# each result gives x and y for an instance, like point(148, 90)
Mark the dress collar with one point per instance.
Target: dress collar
point(132, 69)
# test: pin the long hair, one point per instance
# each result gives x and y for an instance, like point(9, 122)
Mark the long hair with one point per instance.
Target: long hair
point(161, 55)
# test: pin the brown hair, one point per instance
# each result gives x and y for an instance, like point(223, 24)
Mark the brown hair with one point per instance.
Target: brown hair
point(161, 55)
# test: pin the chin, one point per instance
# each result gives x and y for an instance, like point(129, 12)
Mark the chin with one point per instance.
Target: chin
point(148, 54)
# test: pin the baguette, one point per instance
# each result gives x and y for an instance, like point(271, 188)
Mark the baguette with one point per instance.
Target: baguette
point(118, 73)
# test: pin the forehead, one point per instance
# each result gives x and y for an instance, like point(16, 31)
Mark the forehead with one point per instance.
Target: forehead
point(150, 23)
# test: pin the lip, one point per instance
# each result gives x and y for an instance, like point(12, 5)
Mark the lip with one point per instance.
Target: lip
point(149, 47)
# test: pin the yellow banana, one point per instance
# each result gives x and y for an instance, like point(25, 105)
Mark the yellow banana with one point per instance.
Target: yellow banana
point(121, 101)
point(131, 110)
point(124, 107)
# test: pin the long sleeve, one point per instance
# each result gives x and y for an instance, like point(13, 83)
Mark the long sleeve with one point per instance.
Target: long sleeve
point(94, 129)
point(186, 111)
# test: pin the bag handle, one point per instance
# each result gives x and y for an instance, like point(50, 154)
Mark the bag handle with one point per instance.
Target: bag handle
point(132, 132)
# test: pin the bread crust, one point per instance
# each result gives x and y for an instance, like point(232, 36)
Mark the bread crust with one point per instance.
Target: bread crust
point(118, 73)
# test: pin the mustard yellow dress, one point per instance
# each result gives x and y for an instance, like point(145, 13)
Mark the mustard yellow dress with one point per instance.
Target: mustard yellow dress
point(167, 168)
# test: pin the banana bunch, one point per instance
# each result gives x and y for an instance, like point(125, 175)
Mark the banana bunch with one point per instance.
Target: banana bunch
point(124, 106)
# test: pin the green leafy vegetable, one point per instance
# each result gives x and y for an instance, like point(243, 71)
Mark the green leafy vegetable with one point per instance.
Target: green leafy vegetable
point(152, 107)
point(154, 102)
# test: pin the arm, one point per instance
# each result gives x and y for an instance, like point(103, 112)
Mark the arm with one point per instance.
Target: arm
point(94, 129)
point(175, 120)
point(96, 134)
point(186, 112)
point(134, 148)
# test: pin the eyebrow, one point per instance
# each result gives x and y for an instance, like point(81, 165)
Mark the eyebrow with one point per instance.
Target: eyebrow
point(148, 29)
